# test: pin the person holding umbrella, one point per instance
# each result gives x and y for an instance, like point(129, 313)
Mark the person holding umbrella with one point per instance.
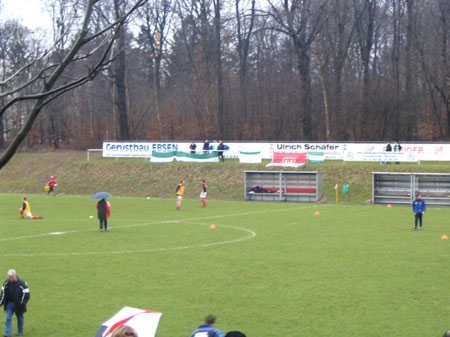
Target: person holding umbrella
point(103, 209)
point(103, 213)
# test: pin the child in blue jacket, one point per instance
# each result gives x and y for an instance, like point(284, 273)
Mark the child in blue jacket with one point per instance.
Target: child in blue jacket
point(419, 208)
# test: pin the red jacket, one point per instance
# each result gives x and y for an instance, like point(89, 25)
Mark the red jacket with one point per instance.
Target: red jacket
point(51, 182)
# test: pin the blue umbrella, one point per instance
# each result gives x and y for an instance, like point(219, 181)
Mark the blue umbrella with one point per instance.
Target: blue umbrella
point(102, 195)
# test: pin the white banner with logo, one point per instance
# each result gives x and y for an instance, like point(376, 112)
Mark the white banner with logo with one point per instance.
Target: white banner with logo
point(375, 151)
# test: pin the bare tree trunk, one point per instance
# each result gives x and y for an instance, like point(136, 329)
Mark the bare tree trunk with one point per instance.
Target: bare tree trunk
point(325, 97)
point(120, 77)
point(365, 26)
point(218, 51)
point(243, 52)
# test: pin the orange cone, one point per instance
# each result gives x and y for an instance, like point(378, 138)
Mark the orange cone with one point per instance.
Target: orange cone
point(444, 237)
point(316, 213)
point(389, 205)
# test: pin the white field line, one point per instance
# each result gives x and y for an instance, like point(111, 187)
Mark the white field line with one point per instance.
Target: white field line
point(250, 235)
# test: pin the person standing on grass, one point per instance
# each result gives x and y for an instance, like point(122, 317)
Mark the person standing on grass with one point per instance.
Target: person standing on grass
point(203, 192)
point(25, 210)
point(103, 213)
point(14, 297)
point(51, 186)
point(208, 329)
point(418, 207)
point(180, 193)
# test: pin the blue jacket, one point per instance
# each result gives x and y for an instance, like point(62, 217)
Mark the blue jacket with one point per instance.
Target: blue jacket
point(207, 330)
point(418, 206)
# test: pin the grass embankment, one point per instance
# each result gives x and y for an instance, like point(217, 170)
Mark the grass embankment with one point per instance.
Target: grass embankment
point(28, 172)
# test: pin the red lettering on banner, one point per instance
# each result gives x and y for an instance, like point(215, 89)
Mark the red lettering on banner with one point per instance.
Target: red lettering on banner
point(412, 149)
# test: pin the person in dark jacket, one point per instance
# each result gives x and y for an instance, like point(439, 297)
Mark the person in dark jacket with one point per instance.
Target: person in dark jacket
point(208, 329)
point(103, 213)
point(418, 207)
point(220, 149)
point(397, 148)
point(206, 146)
point(192, 147)
point(389, 147)
point(14, 297)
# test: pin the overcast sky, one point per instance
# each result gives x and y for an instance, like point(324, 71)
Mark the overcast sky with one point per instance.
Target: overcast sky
point(28, 12)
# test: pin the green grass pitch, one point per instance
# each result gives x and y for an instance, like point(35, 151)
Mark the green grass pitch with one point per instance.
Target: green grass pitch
point(268, 269)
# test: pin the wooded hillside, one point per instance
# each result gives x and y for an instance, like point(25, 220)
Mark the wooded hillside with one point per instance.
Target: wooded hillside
point(243, 70)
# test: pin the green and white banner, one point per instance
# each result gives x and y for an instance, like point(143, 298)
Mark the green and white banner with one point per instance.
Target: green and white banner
point(250, 157)
point(167, 157)
point(162, 157)
point(197, 157)
point(316, 157)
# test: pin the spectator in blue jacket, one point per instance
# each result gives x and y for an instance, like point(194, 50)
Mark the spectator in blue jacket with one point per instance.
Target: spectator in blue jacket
point(418, 207)
point(207, 329)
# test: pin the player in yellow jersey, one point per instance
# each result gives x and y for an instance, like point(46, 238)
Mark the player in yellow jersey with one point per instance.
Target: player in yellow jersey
point(25, 210)
point(180, 193)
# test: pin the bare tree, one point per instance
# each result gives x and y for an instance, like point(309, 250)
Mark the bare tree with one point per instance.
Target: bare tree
point(296, 69)
point(16, 50)
point(119, 72)
point(48, 80)
point(153, 41)
point(193, 64)
point(245, 22)
point(331, 54)
point(301, 21)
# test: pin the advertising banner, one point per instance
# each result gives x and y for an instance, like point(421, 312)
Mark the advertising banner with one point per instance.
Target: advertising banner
point(369, 151)
point(250, 157)
point(288, 159)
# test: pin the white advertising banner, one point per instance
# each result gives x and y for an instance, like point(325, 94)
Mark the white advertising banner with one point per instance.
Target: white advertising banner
point(411, 152)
